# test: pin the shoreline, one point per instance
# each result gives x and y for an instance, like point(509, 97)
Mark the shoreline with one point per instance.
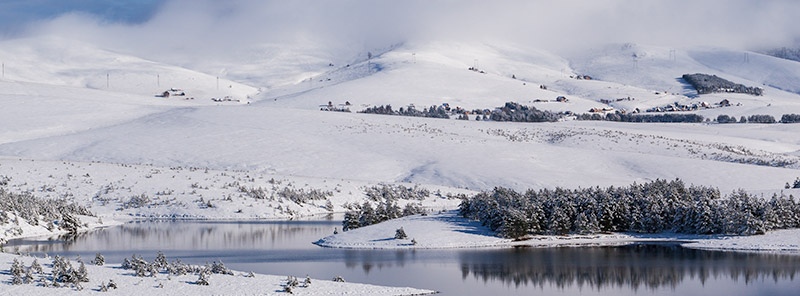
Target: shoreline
point(449, 231)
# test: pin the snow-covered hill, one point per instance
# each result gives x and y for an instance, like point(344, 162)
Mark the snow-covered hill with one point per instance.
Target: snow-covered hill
point(436, 73)
point(60, 61)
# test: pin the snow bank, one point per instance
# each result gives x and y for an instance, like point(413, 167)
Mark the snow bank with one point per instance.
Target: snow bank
point(23, 229)
point(448, 230)
point(162, 284)
point(787, 240)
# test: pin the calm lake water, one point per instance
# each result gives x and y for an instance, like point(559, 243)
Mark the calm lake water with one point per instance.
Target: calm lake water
point(285, 248)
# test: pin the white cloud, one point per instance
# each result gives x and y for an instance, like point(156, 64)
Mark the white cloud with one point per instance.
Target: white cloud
point(207, 26)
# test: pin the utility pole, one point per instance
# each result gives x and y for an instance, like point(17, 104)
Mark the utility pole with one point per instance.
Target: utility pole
point(414, 57)
point(746, 57)
point(672, 55)
point(217, 82)
point(4, 70)
point(108, 80)
point(158, 80)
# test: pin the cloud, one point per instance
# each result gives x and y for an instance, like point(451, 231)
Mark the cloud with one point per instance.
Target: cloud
point(206, 27)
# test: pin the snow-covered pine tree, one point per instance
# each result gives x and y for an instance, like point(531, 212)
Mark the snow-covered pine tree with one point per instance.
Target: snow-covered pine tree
point(17, 271)
point(161, 260)
point(368, 216)
point(98, 260)
point(36, 267)
point(400, 234)
point(351, 221)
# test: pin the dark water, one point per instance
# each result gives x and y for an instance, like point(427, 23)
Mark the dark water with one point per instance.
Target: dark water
point(285, 248)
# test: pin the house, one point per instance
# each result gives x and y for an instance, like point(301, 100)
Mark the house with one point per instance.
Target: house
point(725, 103)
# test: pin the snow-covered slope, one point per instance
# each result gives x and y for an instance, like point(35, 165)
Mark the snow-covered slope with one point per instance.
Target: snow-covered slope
point(60, 61)
point(651, 69)
point(283, 133)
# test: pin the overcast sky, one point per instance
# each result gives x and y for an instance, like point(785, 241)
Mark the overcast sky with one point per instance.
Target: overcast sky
point(212, 25)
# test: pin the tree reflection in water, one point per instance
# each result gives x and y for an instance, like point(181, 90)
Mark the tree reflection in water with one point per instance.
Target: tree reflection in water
point(634, 266)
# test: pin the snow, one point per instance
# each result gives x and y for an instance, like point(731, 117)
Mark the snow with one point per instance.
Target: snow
point(67, 134)
point(61, 61)
point(176, 192)
point(787, 240)
point(162, 284)
point(447, 230)
point(23, 229)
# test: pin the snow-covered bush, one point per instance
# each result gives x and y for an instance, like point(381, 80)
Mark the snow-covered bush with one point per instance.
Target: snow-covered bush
point(366, 215)
point(790, 118)
point(761, 118)
point(137, 201)
point(202, 279)
point(794, 185)
point(389, 192)
point(722, 118)
point(516, 112)
point(651, 207)
point(298, 196)
point(161, 260)
point(433, 111)
point(99, 260)
point(400, 234)
point(627, 117)
point(219, 268)
point(33, 209)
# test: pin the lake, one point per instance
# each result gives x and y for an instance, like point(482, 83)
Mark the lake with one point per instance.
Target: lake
point(285, 248)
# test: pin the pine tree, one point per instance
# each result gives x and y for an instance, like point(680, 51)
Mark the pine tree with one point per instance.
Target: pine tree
point(99, 260)
point(400, 234)
point(36, 267)
point(161, 260)
point(202, 279)
point(367, 215)
point(351, 221)
point(81, 274)
point(17, 271)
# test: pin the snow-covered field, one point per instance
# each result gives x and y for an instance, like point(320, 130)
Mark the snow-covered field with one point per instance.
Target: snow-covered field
point(448, 230)
point(163, 284)
point(121, 192)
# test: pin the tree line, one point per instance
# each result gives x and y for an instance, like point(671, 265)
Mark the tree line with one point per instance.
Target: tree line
point(652, 207)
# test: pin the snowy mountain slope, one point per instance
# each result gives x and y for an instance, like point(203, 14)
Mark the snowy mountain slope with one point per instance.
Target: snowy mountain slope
point(35, 110)
point(759, 68)
point(436, 73)
point(477, 155)
point(432, 75)
point(59, 61)
point(658, 69)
